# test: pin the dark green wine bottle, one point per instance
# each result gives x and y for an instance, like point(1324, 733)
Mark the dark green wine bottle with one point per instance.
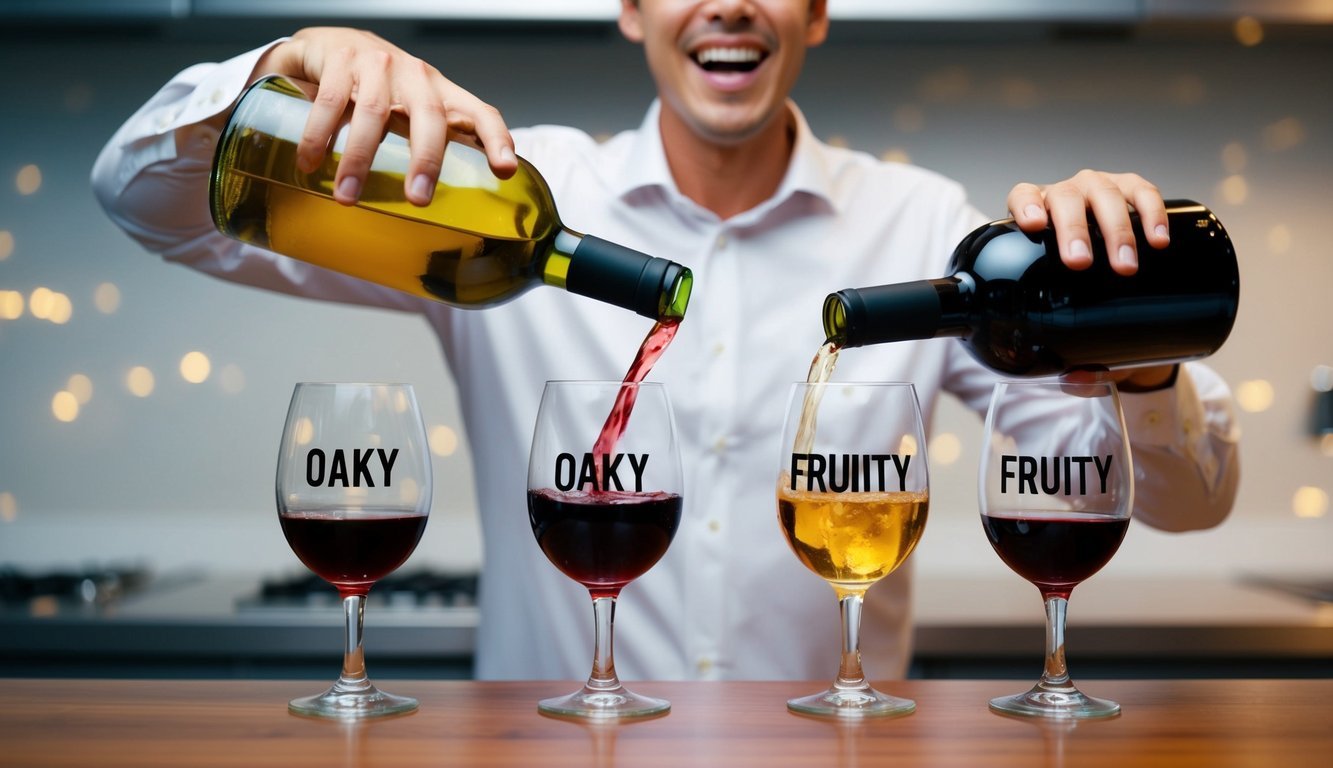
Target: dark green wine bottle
point(1020, 311)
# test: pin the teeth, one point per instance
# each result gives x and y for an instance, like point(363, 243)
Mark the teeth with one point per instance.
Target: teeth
point(727, 55)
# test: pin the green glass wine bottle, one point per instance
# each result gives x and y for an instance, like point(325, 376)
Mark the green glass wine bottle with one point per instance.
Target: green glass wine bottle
point(481, 241)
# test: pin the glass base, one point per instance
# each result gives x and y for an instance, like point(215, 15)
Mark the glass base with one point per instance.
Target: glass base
point(853, 702)
point(1059, 705)
point(613, 703)
point(345, 704)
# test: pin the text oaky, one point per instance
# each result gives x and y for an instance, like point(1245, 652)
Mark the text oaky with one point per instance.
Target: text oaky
point(599, 473)
point(336, 471)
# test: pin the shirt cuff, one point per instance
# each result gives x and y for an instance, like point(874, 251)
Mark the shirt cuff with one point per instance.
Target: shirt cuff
point(219, 89)
point(1174, 419)
point(193, 96)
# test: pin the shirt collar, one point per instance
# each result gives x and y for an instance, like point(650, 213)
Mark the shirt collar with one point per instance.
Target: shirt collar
point(808, 172)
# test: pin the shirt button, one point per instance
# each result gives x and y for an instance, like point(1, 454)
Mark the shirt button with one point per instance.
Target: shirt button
point(720, 445)
point(1188, 426)
point(203, 136)
point(714, 526)
point(704, 665)
point(1152, 418)
point(718, 349)
point(216, 96)
point(721, 242)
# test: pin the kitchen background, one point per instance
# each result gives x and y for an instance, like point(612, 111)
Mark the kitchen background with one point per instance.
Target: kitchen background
point(141, 403)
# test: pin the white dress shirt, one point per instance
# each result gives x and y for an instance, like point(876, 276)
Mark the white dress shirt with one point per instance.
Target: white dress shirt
point(729, 600)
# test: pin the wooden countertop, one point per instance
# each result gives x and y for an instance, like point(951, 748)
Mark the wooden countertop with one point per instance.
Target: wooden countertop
point(1185, 619)
point(176, 723)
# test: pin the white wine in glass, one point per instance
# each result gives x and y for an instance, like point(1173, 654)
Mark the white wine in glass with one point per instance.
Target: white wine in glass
point(853, 492)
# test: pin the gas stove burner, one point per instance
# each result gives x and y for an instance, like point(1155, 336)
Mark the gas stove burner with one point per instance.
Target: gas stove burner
point(422, 588)
point(91, 586)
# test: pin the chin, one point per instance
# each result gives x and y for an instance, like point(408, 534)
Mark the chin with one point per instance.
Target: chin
point(733, 129)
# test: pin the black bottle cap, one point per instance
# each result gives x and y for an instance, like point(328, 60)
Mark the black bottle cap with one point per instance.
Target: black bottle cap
point(612, 273)
point(882, 313)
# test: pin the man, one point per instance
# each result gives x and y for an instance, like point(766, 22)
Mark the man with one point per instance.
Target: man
point(725, 177)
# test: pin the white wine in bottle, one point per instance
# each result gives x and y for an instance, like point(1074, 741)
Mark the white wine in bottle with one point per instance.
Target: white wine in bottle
point(481, 241)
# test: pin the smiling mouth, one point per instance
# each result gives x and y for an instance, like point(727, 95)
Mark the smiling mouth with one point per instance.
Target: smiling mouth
point(729, 59)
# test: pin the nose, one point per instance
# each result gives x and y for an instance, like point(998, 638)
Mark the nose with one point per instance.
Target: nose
point(729, 11)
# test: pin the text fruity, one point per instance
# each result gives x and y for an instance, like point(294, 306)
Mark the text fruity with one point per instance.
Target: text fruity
point(839, 473)
point(1054, 474)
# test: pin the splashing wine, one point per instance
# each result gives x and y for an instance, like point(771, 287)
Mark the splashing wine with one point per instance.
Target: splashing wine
point(654, 344)
point(634, 527)
point(821, 370)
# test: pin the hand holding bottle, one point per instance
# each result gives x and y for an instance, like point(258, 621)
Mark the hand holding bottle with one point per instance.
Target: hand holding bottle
point(480, 241)
point(1064, 206)
point(378, 79)
point(1021, 310)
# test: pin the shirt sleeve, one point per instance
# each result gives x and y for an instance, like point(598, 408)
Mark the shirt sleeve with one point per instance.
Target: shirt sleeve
point(1184, 439)
point(152, 180)
point(1186, 442)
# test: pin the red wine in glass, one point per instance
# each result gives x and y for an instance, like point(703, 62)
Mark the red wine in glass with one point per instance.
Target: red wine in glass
point(595, 529)
point(603, 539)
point(353, 552)
point(1055, 553)
point(1055, 535)
point(354, 532)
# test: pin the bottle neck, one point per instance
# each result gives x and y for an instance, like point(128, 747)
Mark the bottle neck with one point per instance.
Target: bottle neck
point(555, 268)
point(603, 270)
point(921, 309)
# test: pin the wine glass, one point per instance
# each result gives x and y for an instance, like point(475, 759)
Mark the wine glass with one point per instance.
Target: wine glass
point(1056, 489)
point(604, 501)
point(853, 491)
point(354, 490)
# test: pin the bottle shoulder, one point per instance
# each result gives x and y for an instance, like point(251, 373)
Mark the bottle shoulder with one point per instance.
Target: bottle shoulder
point(1000, 251)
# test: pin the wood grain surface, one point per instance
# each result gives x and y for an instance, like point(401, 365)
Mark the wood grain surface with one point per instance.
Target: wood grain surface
point(1175, 724)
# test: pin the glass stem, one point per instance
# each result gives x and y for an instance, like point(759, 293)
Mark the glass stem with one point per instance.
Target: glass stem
point(353, 676)
point(603, 677)
point(1056, 675)
point(850, 674)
